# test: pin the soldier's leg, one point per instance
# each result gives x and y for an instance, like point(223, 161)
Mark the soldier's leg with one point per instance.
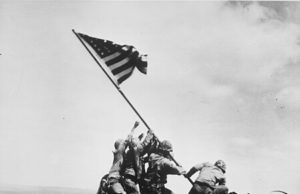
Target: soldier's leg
point(195, 189)
point(131, 186)
point(152, 189)
point(167, 191)
point(220, 189)
point(103, 187)
point(116, 188)
point(200, 189)
point(208, 190)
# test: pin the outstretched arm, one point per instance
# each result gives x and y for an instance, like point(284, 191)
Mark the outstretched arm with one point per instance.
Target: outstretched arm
point(194, 169)
point(130, 135)
point(172, 168)
point(146, 142)
point(129, 138)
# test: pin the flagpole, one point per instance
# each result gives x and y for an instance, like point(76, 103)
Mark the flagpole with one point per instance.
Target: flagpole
point(121, 92)
point(112, 81)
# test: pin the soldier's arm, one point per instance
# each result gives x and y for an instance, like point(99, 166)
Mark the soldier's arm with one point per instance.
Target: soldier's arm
point(129, 138)
point(127, 141)
point(122, 146)
point(194, 169)
point(171, 168)
point(222, 180)
point(146, 141)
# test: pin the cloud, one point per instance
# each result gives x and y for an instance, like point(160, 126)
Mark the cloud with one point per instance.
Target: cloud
point(285, 10)
point(289, 97)
point(250, 51)
point(241, 59)
point(279, 10)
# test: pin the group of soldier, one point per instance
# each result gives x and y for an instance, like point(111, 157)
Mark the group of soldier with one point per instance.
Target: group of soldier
point(141, 165)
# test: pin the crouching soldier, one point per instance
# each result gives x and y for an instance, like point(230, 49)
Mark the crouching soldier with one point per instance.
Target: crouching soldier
point(160, 165)
point(211, 179)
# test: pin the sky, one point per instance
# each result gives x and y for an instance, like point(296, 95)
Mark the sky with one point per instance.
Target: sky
point(223, 83)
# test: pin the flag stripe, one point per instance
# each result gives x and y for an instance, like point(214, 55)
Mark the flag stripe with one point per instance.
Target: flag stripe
point(120, 80)
point(118, 58)
point(112, 56)
point(119, 64)
point(131, 63)
point(125, 72)
point(123, 67)
point(124, 75)
point(142, 64)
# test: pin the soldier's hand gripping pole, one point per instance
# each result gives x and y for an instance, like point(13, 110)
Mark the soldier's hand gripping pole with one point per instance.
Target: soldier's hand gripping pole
point(188, 178)
point(172, 158)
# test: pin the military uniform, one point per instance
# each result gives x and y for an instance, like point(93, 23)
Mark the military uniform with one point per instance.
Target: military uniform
point(156, 176)
point(103, 187)
point(133, 166)
point(114, 175)
point(211, 179)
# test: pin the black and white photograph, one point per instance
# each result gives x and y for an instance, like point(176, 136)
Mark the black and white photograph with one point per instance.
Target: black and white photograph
point(149, 97)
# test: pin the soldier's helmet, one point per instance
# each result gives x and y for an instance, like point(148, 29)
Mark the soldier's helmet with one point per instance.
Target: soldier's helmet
point(166, 145)
point(221, 164)
point(117, 143)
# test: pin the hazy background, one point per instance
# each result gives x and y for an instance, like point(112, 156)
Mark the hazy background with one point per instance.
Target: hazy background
point(223, 83)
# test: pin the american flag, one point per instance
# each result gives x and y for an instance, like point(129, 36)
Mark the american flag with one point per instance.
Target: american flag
point(120, 59)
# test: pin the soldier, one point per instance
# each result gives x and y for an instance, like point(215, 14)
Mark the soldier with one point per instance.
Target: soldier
point(114, 175)
point(133, 166)
point(160, 165)
point(211, 178)
point(103, 187)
